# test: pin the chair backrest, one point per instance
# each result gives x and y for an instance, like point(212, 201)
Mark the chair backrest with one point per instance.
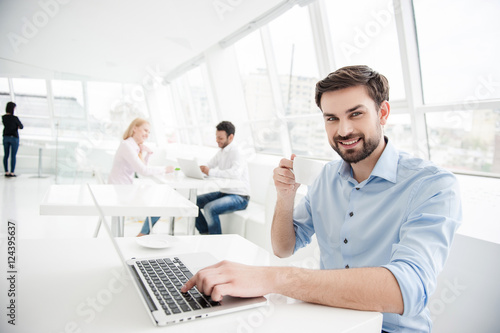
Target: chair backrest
point(260, 177)
point(467, 297)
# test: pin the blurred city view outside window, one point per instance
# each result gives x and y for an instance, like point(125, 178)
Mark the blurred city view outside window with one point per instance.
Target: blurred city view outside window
point(364, 32)
point(398, 130)
point(69, 108)
point(32, 106)
point(191, 92)
point(112, 106)
point(460, 67)
point(295, 59)
point(259, 98)
point(465, 141)
point(166, 115)
point(461, 71)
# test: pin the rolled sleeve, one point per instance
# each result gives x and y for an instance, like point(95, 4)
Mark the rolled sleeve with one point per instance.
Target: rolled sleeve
point(302, 223)
point(425, 239)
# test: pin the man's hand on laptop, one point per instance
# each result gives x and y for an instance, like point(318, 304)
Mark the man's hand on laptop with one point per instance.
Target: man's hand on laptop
point(204, 169)
point(233, 279)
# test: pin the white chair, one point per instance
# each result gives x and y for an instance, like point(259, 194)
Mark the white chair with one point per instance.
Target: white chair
point(467, 297)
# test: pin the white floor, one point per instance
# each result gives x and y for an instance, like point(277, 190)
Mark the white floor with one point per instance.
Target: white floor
point(20, 198)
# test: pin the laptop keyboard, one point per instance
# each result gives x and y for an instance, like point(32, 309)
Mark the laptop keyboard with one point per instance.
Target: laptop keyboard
point(166, 277)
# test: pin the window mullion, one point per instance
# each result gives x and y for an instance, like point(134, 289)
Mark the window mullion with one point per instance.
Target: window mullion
point(275, 89)
point(408, 46)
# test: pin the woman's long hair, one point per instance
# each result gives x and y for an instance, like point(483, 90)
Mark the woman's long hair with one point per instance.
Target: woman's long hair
point(135, 123)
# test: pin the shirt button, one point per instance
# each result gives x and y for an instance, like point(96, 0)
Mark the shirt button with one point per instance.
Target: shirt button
point(346, 266)
point(351, 214)
point(345, 241)
point(357, 188)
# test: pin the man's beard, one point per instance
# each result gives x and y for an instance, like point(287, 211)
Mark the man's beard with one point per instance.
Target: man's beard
point(355, 155)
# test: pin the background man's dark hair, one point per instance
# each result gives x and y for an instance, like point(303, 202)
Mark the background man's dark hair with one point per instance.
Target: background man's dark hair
point(376, 84)
point(227, 127)
point(9, 108)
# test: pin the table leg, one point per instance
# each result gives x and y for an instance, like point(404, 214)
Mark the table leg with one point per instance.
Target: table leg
point(39, 165)
point(172, 225)
point(39, 162)
point(191, 221)
point(122, 226)
point(117, 223)
point(96, 232)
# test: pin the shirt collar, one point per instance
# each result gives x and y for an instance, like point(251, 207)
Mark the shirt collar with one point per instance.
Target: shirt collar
point(387, 164)
point(386, 167)
point(227, 148)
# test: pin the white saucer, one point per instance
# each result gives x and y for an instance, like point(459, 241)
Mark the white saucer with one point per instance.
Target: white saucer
point(157, 241)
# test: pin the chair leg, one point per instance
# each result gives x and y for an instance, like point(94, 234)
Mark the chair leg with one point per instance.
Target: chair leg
point(121, 227)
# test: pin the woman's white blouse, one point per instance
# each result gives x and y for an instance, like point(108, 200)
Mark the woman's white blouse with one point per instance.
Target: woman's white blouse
point(127, 161)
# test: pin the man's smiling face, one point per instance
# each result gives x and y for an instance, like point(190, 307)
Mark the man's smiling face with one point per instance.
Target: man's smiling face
point(352, 122)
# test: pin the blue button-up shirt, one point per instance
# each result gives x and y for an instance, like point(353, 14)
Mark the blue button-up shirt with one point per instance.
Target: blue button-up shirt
point(403, 217)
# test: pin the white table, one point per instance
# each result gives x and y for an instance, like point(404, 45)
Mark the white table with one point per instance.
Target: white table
point(86, 293)
point(180, 182)
point(117, 200)
point(40, 151)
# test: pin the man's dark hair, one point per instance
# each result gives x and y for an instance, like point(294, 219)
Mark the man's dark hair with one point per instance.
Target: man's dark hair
point(376, 84)
point(9, 108)
point(227, 127)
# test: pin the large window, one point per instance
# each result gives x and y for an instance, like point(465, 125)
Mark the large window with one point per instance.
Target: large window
point(69, 111)
point(32, 106)
point(258, 94)
point(308, 137)
point(458, 59)
point(467, 141)
point(112, 106)
point(167, 116)
point(68, 99)
point(4, 93)
point(458, 50)
point(364, 32)
point(295, 59)
point(255, 77)
point(194, 107)
point(398, 130)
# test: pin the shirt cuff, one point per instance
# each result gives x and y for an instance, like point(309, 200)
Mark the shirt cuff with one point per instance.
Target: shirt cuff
point(412, 289)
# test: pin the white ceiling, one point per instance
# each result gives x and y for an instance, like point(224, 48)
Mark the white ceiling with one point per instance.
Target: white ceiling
point(118, 40)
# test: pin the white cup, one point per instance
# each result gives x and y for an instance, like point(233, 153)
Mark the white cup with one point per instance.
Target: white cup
point(306, 170)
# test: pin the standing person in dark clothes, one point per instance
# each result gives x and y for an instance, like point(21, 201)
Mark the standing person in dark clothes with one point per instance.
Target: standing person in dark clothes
point(11, 126)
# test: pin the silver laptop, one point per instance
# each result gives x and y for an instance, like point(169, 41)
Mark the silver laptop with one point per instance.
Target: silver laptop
point(191, 168)
point(158, 281)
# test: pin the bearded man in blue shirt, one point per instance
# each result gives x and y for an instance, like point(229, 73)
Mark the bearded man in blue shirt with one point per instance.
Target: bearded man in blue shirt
point(384, 220)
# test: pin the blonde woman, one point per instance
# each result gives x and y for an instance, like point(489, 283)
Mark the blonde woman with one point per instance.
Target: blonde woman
point(132, 157)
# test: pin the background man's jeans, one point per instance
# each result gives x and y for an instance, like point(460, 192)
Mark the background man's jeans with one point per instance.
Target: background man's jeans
point(10, 144)
point(145, 227)
point(214, 204)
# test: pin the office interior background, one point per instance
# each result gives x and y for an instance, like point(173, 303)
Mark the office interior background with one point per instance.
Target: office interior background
point(80, 71)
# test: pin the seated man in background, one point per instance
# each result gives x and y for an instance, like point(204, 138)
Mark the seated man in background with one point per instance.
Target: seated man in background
point(384, 220)
point(228, 162)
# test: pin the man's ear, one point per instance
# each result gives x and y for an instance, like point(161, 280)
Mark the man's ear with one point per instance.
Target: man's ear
point(385, 110)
